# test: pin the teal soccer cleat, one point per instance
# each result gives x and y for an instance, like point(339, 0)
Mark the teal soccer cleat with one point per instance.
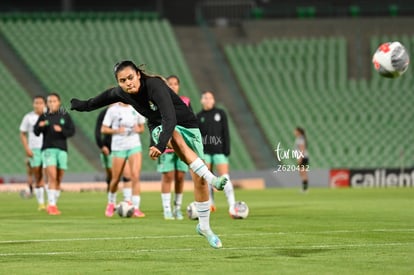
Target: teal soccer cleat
point(168, 215)
point(178, 215)
point(219, 182)
point(212, 238)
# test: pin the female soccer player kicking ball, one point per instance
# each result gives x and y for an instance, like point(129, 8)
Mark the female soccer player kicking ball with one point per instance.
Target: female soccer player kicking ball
point(170, 122)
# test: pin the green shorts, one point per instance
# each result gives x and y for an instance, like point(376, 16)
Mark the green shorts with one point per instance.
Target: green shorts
point(55, 157)
point(216, 159)
point(192, 137)
point(36, 159)
point(126, 153)
point(168, 162)
point(106, 161)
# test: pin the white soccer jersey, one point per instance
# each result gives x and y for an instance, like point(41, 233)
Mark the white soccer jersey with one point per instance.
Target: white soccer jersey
point(28, 122)
point(299, 142)
point(123, 116)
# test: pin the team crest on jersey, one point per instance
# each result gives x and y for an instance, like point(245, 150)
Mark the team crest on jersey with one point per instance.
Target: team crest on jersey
point(156, 132)
point(62, 121)
point(202, 119)
point(217, 117)
point(152, 106)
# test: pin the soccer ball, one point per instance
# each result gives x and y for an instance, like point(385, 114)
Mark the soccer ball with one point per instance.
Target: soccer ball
point(125, 210)
point(240, 210)
point(391, 59)
point(26, 194)
point(192, 211)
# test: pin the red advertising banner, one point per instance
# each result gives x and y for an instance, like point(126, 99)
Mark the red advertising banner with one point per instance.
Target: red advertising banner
point(339, 178)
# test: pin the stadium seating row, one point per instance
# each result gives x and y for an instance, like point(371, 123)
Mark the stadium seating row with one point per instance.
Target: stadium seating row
point(74, 56)
point(58, 16)
point(303, 82)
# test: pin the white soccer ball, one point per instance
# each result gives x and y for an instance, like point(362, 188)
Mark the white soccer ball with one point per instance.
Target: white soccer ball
point(26, 194)
point(391, 59)
point(192, 213)
point(240, 210)
point(125, 209)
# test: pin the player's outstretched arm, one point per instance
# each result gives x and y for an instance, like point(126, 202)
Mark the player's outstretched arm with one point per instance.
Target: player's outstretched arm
point(106, 98)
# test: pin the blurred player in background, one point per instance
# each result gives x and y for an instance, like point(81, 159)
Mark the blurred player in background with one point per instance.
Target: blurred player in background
point(173, 169)
point(171, 123)
point(301, 144)
point(56, 126)
point(104, 144)
point(124, 124)
point(32, 145)
point(28, 192)
point(216, 139)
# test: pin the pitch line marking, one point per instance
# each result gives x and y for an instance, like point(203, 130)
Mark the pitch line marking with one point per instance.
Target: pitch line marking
point(383, 230)
point(163, 250)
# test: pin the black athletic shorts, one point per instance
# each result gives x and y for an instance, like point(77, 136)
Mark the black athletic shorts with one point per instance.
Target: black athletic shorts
point(305, 161)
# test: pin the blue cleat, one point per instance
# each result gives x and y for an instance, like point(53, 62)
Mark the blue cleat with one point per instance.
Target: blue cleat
point(178, 215)
point(212, 238)
point(168, 215)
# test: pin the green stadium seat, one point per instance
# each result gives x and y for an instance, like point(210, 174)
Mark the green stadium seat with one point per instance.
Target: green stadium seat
point(350, 123)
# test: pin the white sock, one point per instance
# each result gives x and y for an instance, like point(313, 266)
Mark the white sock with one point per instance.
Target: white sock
point(203, 209)
point(52, 197)
point(136, 201)
point(201, 169)
point(127, 194)
point(178, 201)
point(57, 195)
point(211, 193)
point(166, 201)
point(229, 191)
point(111, 197)
point(47, 190)
point(40, 195)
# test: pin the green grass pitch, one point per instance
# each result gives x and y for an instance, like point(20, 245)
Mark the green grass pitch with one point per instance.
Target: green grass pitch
point(327, 231)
